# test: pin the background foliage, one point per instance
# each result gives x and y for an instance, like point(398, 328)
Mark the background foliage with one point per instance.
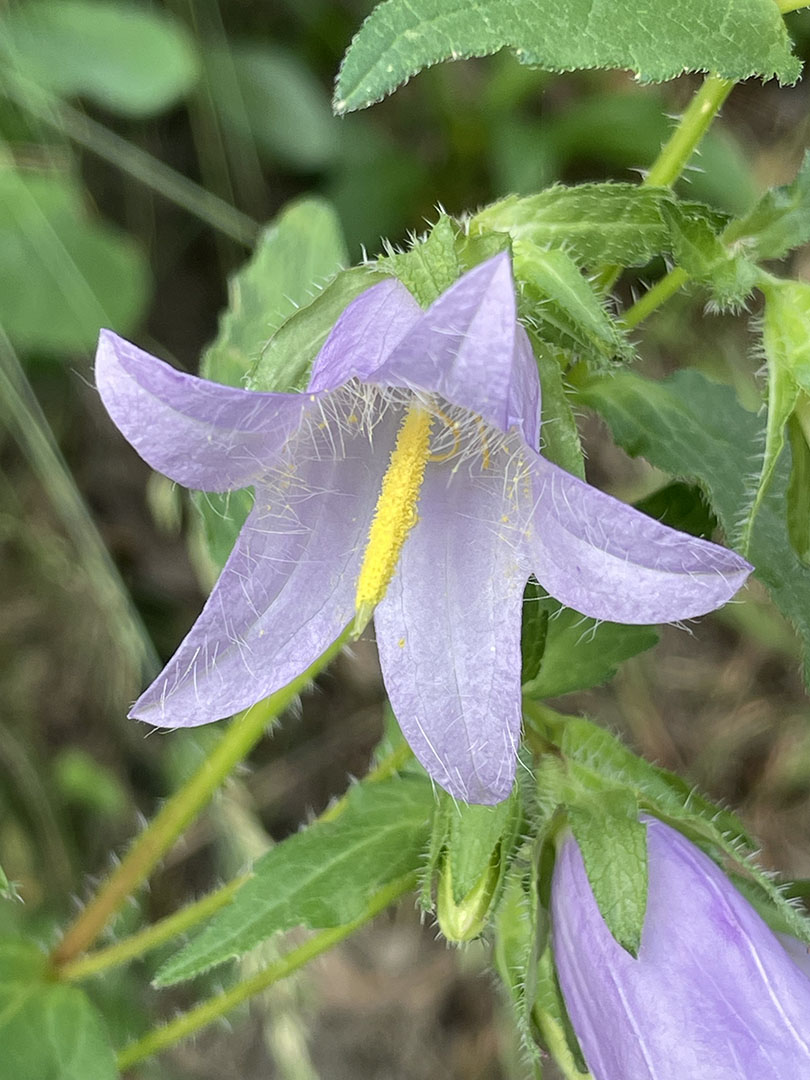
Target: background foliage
point(143, 149)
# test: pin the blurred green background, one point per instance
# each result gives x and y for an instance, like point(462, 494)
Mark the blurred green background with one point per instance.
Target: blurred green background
point(142, 145)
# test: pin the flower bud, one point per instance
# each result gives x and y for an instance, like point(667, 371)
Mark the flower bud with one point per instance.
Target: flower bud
point(466, 919)
point(712, 993)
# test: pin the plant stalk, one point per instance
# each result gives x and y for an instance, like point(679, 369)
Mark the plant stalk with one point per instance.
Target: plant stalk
point(151, 936)
point(181, 921)
point(237, 742)
point(676, 152)
point(208, 1011)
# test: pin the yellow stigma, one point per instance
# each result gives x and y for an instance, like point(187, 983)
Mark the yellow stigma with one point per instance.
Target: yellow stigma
point(395, 513)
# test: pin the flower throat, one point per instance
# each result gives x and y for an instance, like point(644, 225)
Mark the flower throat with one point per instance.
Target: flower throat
point(395, 513)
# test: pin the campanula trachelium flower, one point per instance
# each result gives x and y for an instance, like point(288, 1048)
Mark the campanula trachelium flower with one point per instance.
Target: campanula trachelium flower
point(405, 484)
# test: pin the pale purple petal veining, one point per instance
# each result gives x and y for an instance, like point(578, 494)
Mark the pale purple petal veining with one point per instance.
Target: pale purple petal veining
point(199, 433)
point(609, 561)
point(712, 992)
point(469, 348)
point(286, 592)
point(364, 336)
point(448, 632)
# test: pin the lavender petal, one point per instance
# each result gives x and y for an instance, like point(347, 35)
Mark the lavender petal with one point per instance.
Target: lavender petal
point(609, 561)
point(712, 992)
point(201, 434)
point(448, 633)
point(286, 592)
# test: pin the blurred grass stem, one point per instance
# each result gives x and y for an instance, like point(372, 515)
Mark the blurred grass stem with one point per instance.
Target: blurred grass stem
point(212, 1009)
point(21, 414)
point(181, 809)
point(151, 172)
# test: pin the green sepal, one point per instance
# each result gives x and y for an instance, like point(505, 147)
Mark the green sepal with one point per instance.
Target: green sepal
point(559, 436)
point(591, 762)
point(798, 491)
point(466, 918)
point(613, 843)
point(286, 359)
point(533, 630)
point(552, 1023)
point(563, 309)
point(698, 249)
point(786, 342)
point(478, 845)
point(430, 265)
point(521, 932)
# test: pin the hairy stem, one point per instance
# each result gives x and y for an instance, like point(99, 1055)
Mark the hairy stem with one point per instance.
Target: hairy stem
point(181, 809)
point(178, 923)
point(210, 1010)
point(653, 298)
point(676, 152)
point(152, 936)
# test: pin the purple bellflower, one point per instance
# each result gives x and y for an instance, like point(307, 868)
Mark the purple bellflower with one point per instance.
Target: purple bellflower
point(406, 483)
point(712, 995)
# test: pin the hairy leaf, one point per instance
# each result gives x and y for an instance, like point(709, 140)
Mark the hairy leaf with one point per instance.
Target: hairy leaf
point(48, 1031)
point(294, 257)
point(735, 38)
point(321, 877)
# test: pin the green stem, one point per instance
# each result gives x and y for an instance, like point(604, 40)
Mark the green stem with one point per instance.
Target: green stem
point(143, 167)
point(151, 936)
point(676, 152)
point(237, 742)
point(208, 1011)
point(693, 125)
point(786, 6)
point(158, 934)
point(653, 298)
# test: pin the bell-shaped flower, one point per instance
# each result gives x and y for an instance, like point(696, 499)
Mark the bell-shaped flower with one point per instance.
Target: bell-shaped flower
point(404, 482)
point(712, 994)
